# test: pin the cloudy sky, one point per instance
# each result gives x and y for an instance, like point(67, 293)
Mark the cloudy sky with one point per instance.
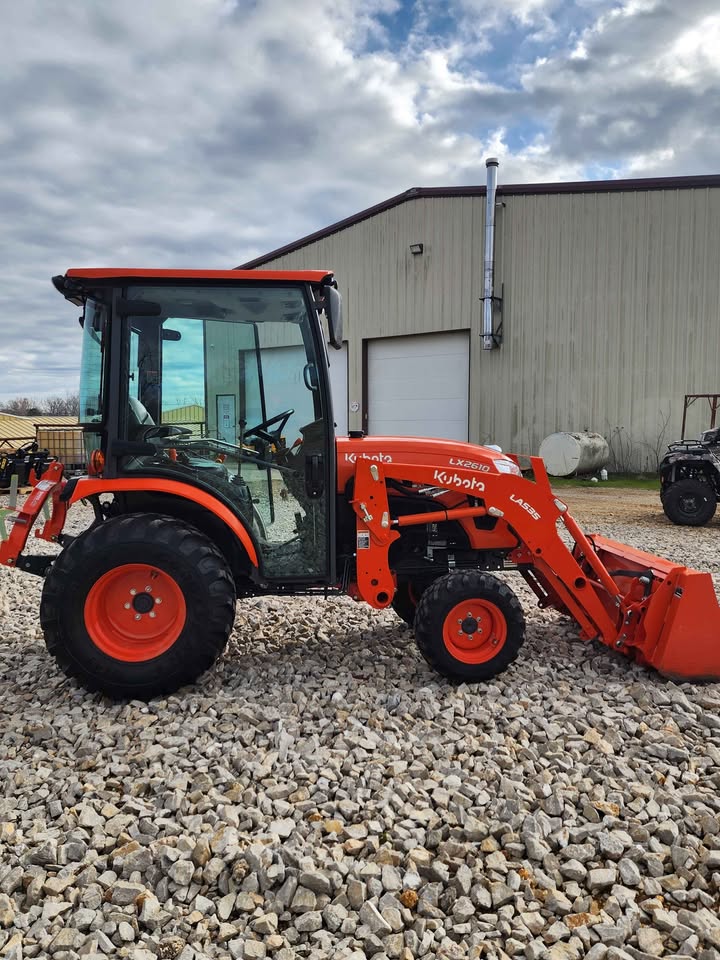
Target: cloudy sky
point(206, 132)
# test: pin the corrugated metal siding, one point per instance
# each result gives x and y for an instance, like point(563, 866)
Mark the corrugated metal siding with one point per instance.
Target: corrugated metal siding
point(611, 316)
point(23, 428)
point(389, 292)
point(610, 313)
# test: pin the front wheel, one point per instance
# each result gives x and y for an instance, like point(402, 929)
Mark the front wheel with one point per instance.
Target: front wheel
point(690, 502)
point(138, 606)
point(469, 626)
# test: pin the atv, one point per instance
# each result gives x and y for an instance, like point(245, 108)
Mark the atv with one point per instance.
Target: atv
point(690, 479)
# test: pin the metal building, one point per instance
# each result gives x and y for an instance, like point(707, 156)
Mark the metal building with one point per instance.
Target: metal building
point(606, 311)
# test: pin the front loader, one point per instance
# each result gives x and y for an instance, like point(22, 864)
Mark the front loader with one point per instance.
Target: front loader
point(214, 474)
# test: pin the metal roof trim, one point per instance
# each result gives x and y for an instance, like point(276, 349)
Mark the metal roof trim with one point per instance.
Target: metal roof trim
point(237, 275)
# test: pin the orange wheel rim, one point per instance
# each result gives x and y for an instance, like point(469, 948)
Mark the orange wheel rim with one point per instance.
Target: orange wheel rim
point(135, 612)
point(475, 631)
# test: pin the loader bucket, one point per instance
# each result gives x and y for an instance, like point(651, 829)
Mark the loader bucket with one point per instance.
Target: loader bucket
point(672, 616)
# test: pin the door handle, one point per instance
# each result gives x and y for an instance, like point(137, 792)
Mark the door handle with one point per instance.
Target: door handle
point(314, 476)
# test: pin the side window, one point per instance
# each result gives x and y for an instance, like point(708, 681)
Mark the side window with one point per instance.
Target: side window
point(275, 383)
point(183, 374)
point(92, 363)
point(134, 380)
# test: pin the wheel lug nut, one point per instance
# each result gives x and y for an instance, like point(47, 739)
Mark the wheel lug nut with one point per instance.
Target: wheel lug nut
point(137, 616)
point(152, 613)
point(158, 599)
point(148, 589)
point(127, 606)
point(133, 592)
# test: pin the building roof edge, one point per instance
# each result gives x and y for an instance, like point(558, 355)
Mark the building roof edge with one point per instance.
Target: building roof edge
point(516, 189)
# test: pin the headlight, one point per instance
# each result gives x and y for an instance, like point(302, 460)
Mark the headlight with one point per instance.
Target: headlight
point(507, 466)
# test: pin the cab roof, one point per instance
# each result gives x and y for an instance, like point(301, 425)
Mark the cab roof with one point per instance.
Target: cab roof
point(116, 273)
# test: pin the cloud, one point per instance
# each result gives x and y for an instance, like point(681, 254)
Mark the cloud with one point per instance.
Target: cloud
point(206, 132)
point(635, 95)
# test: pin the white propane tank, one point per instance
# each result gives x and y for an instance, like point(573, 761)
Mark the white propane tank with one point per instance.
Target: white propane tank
point(567, 453)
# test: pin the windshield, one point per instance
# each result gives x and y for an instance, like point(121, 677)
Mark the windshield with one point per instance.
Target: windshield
point(91, 364)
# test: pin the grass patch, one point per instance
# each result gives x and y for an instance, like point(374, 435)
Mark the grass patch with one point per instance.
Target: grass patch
point(624, 481)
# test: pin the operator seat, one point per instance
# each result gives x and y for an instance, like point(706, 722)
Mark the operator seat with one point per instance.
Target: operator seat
point(138, 420)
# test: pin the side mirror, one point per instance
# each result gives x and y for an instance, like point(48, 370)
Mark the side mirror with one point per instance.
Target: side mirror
point(333, 311)
point(171, 335)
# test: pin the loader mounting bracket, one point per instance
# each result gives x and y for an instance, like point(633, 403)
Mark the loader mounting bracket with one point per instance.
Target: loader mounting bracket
point(17, 523)
point(38, 565)
point(497, 302)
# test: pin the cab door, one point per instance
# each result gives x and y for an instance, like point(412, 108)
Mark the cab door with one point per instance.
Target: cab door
point(252, 351)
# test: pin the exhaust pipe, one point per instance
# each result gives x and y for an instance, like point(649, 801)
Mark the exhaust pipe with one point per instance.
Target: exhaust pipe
point(489, 265)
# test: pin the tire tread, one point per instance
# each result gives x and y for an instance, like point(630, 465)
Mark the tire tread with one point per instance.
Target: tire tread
point(671, 498)
point(67, 574)
point(451, 589)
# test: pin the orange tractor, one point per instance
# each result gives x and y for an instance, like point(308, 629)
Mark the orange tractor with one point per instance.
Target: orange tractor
point(214, 474)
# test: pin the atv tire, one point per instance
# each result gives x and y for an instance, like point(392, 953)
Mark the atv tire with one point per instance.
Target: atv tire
point(138, 606)
point(690, 502)
point(469, 626)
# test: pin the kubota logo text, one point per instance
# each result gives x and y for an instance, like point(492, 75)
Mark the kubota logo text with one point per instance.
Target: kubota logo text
point(446, 479)
point(378, 457)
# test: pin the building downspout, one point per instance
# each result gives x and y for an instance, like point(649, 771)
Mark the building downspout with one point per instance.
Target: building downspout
point(489, 261)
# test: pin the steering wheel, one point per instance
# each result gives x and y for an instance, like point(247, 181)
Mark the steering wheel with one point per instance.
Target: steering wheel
point(261, 429)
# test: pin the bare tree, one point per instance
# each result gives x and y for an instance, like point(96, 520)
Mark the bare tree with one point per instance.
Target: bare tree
point(656, 450)
point(22, 407)
point(67, 406)
point(622, 450)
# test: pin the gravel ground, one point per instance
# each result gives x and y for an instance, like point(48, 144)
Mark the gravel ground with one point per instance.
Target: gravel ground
point(322, 793)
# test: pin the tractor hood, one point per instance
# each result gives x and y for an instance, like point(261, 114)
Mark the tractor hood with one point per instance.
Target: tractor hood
point(446, 455)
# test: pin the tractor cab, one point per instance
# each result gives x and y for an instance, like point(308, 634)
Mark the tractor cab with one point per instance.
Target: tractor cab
point(218, 380)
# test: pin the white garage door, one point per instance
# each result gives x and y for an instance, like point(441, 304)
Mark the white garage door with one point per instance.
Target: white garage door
point(418, 386)
point(339, 388)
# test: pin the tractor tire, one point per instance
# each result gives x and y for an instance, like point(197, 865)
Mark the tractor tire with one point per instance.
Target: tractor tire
point(138, 606)
point(406, 599)
point(690, 502)
point(469, 626)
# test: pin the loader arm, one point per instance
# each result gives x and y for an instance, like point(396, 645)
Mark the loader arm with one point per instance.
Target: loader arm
point(631, 601)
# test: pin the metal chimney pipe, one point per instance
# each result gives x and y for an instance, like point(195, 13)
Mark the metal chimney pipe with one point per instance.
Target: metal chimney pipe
point(489, 264)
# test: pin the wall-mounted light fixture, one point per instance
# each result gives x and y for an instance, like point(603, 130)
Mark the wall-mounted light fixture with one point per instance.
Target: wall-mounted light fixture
point(416, 248)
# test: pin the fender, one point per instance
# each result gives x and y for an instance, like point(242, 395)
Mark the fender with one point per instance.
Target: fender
point(87, 487)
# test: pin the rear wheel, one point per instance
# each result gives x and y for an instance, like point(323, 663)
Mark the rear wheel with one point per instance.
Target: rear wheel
point(690, 502)
point(469, 626)
point(137, 606)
